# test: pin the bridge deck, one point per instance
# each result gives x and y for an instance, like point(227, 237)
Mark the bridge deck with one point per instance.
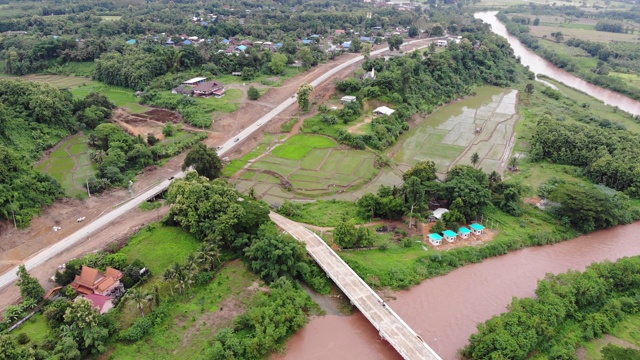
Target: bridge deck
point(390, 326)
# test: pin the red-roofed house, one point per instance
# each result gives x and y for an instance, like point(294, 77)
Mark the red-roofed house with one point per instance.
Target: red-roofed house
point(101, 302)
point(91, 281)
point(339, 32)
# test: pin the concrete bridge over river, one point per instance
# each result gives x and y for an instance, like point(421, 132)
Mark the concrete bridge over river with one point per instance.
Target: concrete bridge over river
point(390, 326)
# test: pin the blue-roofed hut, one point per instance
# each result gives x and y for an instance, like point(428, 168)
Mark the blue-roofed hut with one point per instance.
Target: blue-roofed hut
point(187, 42)
point(346, 44)
point(464, 232)
point(477, 228)
point(449, 235)
point(435, 239)
point(278, 45)
point(131, 41)
point(306, 42)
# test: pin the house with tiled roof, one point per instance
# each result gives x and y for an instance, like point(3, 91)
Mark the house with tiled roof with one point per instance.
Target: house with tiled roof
point(209, 88)
point(91, 281)
point(100, 302)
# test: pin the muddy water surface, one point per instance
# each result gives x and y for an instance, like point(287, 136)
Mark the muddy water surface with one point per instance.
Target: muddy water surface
point(541, 66)
point(446, 310)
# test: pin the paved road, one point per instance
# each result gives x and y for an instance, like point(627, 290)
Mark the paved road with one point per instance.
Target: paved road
point(10, 275)
point(390, 326)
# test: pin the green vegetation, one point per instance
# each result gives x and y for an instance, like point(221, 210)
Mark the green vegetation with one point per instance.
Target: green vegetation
point(238, 164)
point(150, 205)
point(288, 126)
point(321, 212)
point(70, 165)
point(34, 117)
point(310, 165)
point(119, 96)
point(189, 323)
point(298, 146)
point(160, 246)
point(569, 309)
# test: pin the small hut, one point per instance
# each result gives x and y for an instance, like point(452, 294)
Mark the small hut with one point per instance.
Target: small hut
point(450, 235)
point(477, 229)
point(464, 232)
point(435, 239)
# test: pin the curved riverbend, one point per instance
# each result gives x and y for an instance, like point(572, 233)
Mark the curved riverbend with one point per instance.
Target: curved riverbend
point(541, 66)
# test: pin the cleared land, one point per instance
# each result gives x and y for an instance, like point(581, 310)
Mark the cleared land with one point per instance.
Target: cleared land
point(120, 96)
point(483, 123)
point(70, 164)
point(310, 166)
point(582, 34)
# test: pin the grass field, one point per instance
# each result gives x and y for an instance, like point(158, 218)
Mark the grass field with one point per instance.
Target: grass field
point(582, 34)
point(228, 103)
point(36, 328)
point(120, 96)
point(60, 81)
point(327, 213)
point(312, 164)
point(270, 80)
point(70, 164)
point(194, 320)
point(85, 69)
point(238, 164)
point(159, 247)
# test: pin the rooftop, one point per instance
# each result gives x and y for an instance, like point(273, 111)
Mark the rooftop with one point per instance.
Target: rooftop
point(450, 233)
point(384, 110)
point(195, 80)
point(464, 230)
point(435, 236)
point(476, 226)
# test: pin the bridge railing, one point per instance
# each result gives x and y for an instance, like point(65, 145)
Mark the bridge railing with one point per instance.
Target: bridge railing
point(363, 311)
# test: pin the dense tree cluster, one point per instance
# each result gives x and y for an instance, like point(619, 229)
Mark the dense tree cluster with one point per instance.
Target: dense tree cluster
point(34, 117)
point(608, 156)
point(568, 308)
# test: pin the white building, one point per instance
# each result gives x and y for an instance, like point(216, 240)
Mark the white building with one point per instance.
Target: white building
point(195, 81)
point(383, 110)
point(348, 99)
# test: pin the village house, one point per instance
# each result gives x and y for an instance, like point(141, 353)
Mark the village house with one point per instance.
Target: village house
point(100, 302)
point(348, 99)
point(209, 88)
point(195, 81)
point(442, 42)
point(437, 214)
point(383, 110)
point(449, 235)
point(435, 239)
point(477, 229)
point(91, 281)
point(464, 232)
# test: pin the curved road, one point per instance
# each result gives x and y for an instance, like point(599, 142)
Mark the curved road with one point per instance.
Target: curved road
point(10, 275)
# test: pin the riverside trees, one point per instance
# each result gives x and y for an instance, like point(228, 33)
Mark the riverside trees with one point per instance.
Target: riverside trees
point(568, 308)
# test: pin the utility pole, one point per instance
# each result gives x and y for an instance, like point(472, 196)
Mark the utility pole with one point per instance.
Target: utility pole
point(88, 192)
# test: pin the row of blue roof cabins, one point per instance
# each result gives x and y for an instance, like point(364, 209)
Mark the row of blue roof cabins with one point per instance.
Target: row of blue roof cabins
point(462, 233)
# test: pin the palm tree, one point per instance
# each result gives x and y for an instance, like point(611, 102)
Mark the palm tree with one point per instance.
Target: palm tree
point(207, 256)
point(139, 298)
point(475, 158)
point(494, 179)
point(169, 276)
point(98, 156)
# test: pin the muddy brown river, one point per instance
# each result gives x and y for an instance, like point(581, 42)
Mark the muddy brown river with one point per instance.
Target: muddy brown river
point(446, 310)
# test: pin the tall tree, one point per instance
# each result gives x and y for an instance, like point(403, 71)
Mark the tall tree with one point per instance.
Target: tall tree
point(425, 170)
point(139, 298)
point(204, 160)
point(304, 96)
point(394, 41)
point(30, 288)
point(475, 158)
point(414, 195)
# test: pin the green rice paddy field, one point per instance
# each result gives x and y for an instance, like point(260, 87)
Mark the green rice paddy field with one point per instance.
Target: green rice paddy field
point(313, 165)
point(70, 164)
